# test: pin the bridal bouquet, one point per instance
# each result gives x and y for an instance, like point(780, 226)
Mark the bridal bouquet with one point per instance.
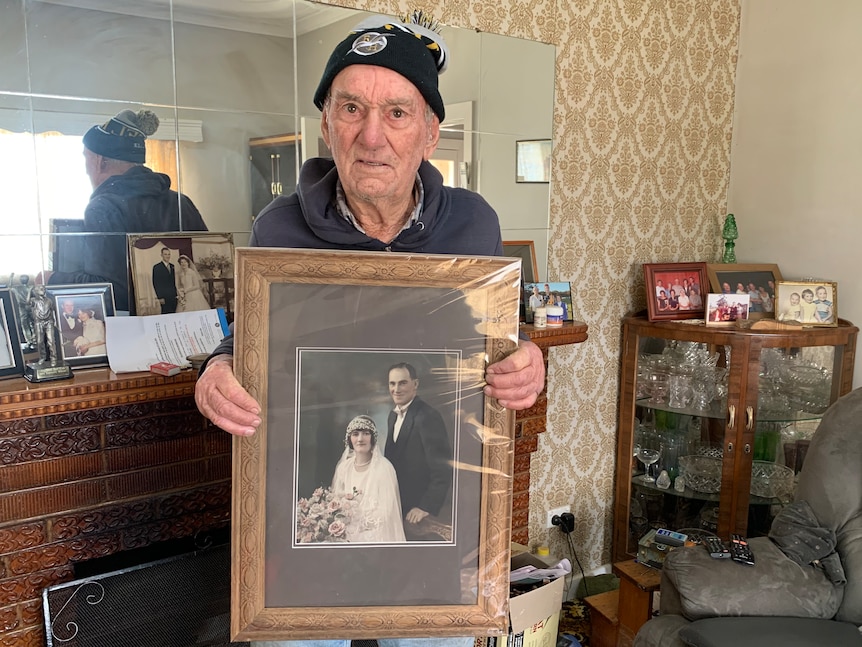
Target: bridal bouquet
point(324, 516)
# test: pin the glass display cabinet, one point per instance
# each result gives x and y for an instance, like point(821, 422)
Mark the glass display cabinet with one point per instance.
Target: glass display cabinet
point(714, 423)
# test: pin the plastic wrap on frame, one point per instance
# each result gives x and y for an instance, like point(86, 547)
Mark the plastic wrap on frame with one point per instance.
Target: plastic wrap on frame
point(315, 552)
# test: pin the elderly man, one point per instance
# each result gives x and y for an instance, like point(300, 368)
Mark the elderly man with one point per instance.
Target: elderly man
point(127, 198)
point(381, 112)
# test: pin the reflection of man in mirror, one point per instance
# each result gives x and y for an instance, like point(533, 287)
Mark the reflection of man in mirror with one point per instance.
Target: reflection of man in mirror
point(164, 282)
point(127, 197)
point(70, 327)
point(42, 309)
point(418, 447)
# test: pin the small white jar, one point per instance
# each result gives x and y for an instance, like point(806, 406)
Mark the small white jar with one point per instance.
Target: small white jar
point(554, 315)
point(540, 318)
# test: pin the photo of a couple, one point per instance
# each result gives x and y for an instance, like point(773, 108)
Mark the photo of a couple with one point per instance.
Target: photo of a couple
point(391, 484)
point(179, 273)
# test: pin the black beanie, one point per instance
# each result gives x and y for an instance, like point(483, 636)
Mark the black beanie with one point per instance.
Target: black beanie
point(415, 51)
point(123, 137)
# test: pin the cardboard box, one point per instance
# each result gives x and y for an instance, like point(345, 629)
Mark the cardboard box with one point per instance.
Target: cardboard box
point(534, 617)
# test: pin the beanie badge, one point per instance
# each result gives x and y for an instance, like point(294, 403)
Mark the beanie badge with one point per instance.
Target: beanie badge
point(369, 43)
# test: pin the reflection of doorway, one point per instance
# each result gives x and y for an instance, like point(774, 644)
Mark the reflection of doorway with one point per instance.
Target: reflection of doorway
point(454, 154)
point(448, 159)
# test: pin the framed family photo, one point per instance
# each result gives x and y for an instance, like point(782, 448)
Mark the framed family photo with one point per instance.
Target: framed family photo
point(357, 359)
point(80, 312)
point(181, 272)
point(811, 303)
point(675, 290)
point(548, 294)
point(726, 309)
point(11, 361)
point(757, 280)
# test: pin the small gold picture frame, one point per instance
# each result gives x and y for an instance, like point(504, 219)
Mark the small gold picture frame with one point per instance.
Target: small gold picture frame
point(810, 302)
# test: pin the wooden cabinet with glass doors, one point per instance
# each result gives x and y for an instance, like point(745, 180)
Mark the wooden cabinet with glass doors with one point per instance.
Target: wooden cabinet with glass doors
point(714, 423)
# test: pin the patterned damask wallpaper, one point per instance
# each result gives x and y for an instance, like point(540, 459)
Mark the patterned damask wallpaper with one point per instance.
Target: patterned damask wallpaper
point(643, 114)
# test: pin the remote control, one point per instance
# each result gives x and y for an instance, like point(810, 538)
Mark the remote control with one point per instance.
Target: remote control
point(669, 537)
point(716, 548)
point(740, 551)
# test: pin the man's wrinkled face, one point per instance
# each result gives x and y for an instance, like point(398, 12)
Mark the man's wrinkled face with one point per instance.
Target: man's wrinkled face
point(376, 125)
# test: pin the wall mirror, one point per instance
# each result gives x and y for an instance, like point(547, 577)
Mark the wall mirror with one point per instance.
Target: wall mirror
point(220, 75)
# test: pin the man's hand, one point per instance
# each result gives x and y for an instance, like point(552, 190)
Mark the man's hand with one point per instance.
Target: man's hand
point(517, 380)
point(416, 515)
point(221, 398)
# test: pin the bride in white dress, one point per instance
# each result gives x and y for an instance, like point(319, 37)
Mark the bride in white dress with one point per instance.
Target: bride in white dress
point(377, 518)
point(190, 287)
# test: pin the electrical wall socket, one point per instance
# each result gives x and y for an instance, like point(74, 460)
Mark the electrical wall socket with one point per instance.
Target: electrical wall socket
point(557, 512)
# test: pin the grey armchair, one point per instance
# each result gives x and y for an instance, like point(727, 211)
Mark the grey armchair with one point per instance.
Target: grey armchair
point(716, 603)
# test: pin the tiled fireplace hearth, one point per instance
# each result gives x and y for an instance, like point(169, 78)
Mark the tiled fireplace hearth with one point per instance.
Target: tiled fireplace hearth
point(96, 466)
point(102, 464)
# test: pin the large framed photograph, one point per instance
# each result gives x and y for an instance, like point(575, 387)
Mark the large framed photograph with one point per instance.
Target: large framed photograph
point(374, 500)
point(811, 303)
point(181, 272)
point(11, 361)
point(758, 281)
point(80, 312)
point(675, 290)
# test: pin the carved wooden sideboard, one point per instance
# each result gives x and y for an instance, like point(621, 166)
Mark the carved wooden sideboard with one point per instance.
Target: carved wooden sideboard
point(94, 466)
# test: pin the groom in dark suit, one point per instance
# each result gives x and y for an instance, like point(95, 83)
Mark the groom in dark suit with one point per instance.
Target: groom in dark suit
point(418, 447)
point(164, 282)
point(70, 327)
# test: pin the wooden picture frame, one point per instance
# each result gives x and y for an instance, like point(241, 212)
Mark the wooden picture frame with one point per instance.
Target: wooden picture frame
point(151, 293)
point(11, 359)
point(526, 251)
point(533, 161)
point(82, 336)
point(726, 278)
point(792, 302)
point(675, 291)
point(316, 334)
point(726, 309)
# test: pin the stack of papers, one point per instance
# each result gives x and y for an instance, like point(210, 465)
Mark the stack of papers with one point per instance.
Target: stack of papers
point(134, 343)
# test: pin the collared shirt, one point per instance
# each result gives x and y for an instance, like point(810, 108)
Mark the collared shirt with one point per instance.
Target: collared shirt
point(345, 212)
point(400, 413)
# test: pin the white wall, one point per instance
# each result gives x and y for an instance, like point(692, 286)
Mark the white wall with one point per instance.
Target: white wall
point(796, 157)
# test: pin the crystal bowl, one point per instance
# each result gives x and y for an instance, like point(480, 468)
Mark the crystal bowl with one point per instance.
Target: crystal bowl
point(701, 473)
point(771, 480)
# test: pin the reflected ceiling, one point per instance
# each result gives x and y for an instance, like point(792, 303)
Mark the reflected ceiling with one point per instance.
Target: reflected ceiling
point(272, 17)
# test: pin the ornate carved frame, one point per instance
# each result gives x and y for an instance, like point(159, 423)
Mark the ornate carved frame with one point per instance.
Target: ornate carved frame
point(290, 300)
